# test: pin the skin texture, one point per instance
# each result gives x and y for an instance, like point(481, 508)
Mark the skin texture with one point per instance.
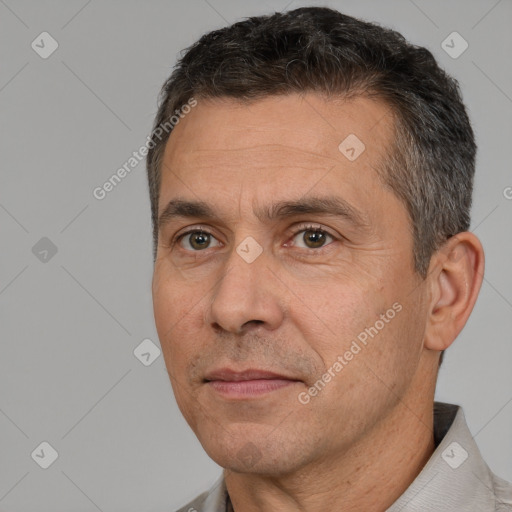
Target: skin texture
point(361, 441)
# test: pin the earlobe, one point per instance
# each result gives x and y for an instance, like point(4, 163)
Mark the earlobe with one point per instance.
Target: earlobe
point(455, 275)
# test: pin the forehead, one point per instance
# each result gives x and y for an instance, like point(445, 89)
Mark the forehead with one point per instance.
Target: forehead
point(290, 125)
point(277, 146)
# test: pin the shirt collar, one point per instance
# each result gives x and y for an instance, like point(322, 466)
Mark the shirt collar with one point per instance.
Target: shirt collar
point(455, 477)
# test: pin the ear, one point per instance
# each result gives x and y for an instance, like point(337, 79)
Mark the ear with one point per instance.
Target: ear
point(455, 276)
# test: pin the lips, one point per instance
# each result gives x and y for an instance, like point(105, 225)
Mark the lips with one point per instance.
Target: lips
point(250, 384)
point(229, 375)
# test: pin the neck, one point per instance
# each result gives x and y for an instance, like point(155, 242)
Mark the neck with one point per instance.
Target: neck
point(371, 475)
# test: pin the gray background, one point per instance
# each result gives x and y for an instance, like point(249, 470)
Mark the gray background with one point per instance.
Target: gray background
point(69, 325)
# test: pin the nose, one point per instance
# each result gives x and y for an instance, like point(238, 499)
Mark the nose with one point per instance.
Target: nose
point(246, 296)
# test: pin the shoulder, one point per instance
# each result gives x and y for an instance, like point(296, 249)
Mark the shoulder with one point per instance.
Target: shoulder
point(196, 505)
point(212, 500)
point(503, 494)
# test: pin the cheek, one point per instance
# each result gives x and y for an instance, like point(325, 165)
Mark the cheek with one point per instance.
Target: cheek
point(393, 348)
point(164, 311)
point(173, 298)
point(172, 310)
point(338, 312)
point(365, 319)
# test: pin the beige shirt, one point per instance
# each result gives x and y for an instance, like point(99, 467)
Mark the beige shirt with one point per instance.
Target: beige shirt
point(455, 479)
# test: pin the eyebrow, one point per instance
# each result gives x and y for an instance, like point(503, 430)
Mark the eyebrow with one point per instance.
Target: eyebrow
point(328, 205)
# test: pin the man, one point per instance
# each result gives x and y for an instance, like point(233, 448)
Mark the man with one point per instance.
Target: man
point(312, 263)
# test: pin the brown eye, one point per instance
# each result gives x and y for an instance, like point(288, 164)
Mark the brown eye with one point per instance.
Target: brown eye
point(313, 238)
point(197, 240)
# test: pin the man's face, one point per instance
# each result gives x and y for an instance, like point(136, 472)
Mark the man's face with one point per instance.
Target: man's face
point(278, 295)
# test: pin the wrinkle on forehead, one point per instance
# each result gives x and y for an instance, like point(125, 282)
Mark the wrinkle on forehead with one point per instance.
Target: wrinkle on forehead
point(276, 155)
point(305, 123)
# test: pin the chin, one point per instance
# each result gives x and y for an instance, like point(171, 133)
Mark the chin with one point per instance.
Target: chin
point(259, 457)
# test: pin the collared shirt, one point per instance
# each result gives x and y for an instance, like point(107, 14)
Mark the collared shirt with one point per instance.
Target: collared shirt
point(455, 478)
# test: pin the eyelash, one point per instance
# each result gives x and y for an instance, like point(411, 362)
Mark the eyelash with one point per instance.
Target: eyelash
point(305, 227)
